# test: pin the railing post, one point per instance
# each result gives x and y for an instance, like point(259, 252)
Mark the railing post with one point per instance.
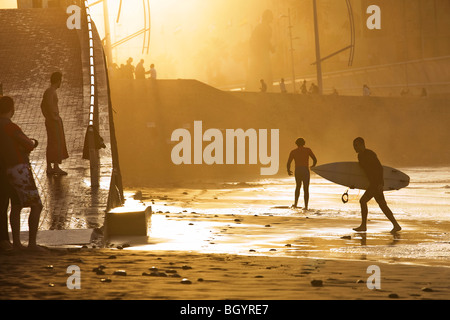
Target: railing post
point(94, 158)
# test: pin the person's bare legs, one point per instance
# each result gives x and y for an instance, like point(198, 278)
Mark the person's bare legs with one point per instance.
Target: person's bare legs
point(388, 213)
point(297, 193)
point(15, 226)
point(306, 193)
point(364, 211)
point(33, 225)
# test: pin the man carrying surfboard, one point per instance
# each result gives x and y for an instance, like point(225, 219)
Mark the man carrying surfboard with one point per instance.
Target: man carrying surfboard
point(301, 157)
point(373, 169)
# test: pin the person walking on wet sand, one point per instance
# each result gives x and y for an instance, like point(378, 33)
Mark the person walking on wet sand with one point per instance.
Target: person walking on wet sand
point(373, 169)
point(15, 147)
point(301, 157)
point(56, 140)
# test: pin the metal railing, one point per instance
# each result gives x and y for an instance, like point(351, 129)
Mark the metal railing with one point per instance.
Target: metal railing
point(91, 132)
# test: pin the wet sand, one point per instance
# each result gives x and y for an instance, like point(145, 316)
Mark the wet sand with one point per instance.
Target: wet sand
point(198, 249)
point(241, 241)
point(197, 276)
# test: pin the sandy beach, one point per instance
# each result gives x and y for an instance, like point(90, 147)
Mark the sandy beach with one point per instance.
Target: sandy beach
point(127, 274)
point(226, 244)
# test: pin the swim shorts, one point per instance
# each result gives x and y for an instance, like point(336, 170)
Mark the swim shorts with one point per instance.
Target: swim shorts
point(21, 180)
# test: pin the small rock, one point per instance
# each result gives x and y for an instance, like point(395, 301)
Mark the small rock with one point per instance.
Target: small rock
point(174, 275)
point(259, 277)
point(171, 271)
point(317, 283)
point(288, 245)
point(105, 280)
point(200, 279)
point(267, 226)
point(119, 247)
point(154, 269)
point(49, 267)
point(185, 281)
point(185, 267)
point(273, 250)
point(112, 257)
point(51, 285)
point(393, 296)
point(360, 281)
point(346, 237)
point(99, 271)
point(120, 273)
point(426, 289)
point(252, 250)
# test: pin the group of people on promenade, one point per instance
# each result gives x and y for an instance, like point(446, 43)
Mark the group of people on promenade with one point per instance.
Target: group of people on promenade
point(371, 166)
point(17, 184)
point(129, 71)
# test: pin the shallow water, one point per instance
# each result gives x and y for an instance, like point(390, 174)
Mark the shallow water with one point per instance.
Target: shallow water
point(255, 218)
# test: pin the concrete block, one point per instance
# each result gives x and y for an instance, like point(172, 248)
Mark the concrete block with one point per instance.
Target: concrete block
point(127, 222)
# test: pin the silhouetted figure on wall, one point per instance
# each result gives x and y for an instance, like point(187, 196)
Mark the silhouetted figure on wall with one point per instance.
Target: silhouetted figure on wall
point(128, 69)
point(313, 89)
point(373, 169)
point(260, 66)
point(303, 89)
point(301, 157)
point(140, 70)
point(56, 140)
point(282, 86)
point(15, 147)
point(424, 93)
point(263, 87)
point(152, 72)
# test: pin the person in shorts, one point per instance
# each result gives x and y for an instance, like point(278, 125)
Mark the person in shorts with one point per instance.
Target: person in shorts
point(15, 147)
point(301, 157)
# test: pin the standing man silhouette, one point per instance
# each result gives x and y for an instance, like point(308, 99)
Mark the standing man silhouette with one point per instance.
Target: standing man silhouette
point(373, 169)
point(301, 157)
point(56, 141)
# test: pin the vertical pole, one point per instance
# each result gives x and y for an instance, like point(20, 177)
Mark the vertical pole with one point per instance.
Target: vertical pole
point(318, 62)
point(108, 49)
point(292, 50)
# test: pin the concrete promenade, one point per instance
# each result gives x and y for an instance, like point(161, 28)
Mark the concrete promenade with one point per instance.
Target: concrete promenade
point(35, 43)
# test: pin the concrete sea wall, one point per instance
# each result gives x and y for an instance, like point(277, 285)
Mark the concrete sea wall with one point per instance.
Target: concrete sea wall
point(403, 131)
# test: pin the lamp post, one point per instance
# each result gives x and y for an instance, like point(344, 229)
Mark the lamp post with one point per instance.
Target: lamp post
point(108, 48)
point(292, 46)
point(318, 59)
point(292, 50)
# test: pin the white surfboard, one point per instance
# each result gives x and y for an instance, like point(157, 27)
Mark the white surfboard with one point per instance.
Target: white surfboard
point(351, 175)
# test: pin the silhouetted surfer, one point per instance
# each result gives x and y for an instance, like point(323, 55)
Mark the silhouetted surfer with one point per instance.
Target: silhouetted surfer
point(373, 169)
point(301, 157)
